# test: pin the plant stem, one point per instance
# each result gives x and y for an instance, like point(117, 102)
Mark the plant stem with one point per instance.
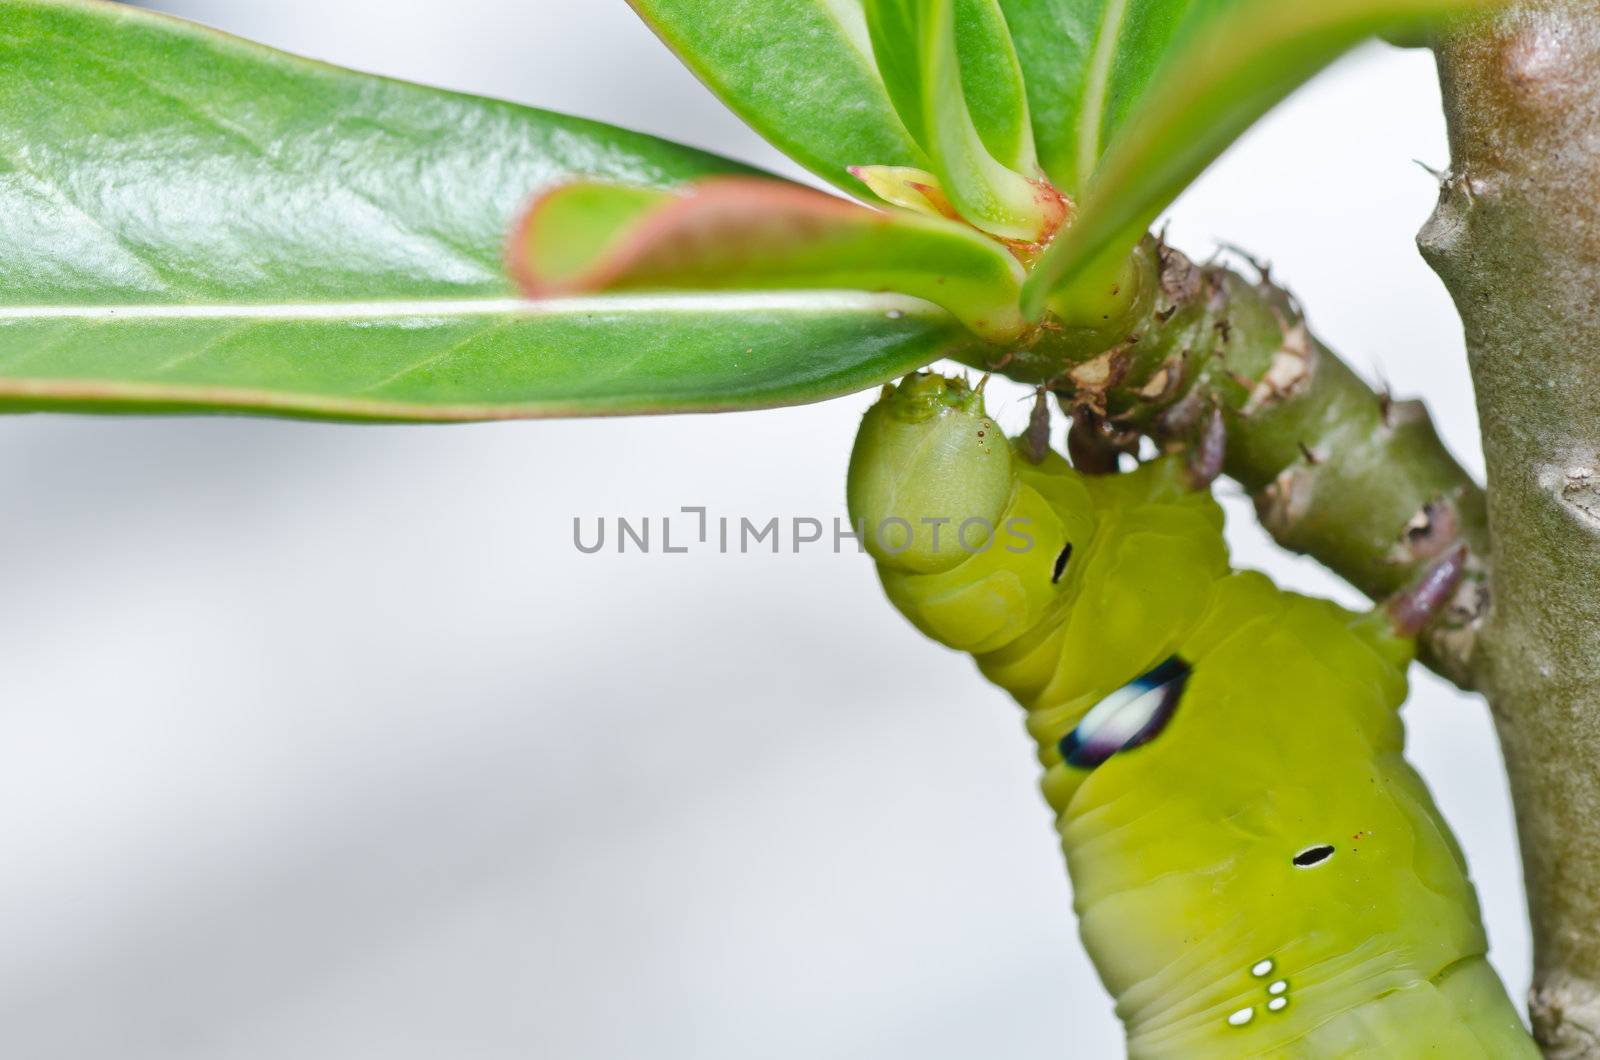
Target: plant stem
point(1336, 470)
point(1516, 239)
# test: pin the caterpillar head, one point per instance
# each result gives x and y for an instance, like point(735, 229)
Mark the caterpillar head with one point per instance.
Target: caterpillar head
point(989, 553)
point(973, 559)
point(927, 461)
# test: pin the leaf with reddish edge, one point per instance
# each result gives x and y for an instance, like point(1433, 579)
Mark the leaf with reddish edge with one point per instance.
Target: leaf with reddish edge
point(194, 223)
point(740, 233)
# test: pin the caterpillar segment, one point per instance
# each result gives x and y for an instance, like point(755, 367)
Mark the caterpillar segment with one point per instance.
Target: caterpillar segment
point(1257, 871)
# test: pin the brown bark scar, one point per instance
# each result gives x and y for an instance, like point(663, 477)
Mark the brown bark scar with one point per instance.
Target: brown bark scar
point(1580, 493)
point(1431, 530)
point(1286, 375)
point(1285, 500)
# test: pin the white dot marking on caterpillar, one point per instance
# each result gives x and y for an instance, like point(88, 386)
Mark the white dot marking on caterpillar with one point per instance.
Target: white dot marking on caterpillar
point(1262, 969)
point(1279, 987)
point(1240, 1018)
point(1277, 1004)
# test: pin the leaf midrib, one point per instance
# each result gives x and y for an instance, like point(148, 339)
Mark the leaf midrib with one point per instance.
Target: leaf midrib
point(732, 301)
point(846, 14)
point(1097, 88)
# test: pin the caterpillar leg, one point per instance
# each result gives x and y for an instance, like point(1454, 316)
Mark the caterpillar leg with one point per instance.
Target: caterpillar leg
point(1413, 608)
point(1389, 628)
point(1208, 450)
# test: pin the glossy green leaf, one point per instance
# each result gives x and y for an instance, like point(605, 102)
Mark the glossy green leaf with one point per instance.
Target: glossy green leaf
point(1132, 99)
point(992, 84)
point(744, 233)
point(192, 222)
point(985, 78)
point(915, 44)
point(800, 72)
point(476, 359)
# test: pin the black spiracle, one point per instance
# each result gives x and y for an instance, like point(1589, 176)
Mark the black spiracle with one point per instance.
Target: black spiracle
point(1313, 856)
point(1061, 564)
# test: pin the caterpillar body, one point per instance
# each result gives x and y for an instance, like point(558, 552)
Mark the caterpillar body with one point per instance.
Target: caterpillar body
point(1256, 869)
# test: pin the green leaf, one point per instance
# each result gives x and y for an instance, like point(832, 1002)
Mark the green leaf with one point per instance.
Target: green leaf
point(1132, 99)
point(744, 233)
point(192, 222)
point(991, 81)
point(934, 84)
point(990, 85)
point(476, 359)
point(800, 72)
point(1055, 42)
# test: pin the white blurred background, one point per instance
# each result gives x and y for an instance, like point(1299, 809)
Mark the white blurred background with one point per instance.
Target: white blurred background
point(322, 742)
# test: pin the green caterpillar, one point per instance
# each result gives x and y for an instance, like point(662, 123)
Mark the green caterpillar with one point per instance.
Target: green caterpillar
point(1256, 869)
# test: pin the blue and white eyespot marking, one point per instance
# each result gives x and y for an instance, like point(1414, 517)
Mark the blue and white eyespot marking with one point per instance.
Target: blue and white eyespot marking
point(1132, 715)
